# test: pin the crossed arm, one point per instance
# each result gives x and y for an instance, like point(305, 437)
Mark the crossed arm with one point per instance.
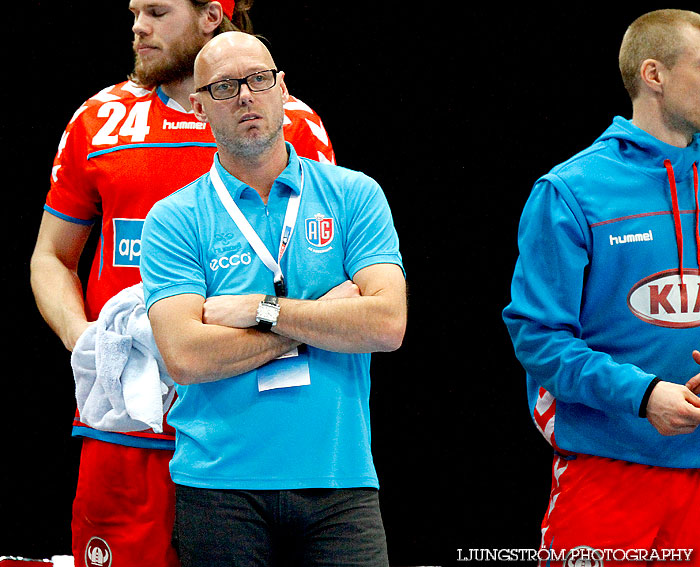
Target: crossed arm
point(204, 341)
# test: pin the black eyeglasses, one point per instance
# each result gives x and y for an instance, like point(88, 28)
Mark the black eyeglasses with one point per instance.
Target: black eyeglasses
point(228, 88)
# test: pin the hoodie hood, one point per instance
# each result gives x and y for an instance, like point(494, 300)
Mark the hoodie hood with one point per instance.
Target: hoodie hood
point(648, 152)
point(658, 158)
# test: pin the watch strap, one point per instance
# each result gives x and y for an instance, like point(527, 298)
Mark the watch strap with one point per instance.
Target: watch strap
point(264, 325)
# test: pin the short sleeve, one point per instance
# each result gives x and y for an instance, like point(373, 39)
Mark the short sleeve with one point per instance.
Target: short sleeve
point(170, 258)
point(72, 196)
point(371, 235)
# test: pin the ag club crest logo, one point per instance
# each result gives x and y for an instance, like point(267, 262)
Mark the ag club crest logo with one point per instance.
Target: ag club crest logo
point(319, 230)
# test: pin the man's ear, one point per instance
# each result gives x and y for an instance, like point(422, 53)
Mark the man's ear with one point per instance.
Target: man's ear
point(652, 74)
point(211, 17)
point(283, 86)
point(198, 107)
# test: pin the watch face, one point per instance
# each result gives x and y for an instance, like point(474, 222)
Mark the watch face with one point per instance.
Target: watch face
point(267, 312)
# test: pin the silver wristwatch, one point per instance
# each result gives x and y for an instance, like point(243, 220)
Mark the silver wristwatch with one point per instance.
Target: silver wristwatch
point(268, 311)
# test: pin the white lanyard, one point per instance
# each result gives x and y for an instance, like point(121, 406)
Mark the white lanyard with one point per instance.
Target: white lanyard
point(252, 237)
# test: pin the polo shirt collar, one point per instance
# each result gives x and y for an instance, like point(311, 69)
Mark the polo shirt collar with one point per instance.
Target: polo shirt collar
point(291, 177)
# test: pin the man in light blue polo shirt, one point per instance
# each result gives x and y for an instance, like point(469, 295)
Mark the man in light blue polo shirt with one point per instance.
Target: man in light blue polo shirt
point(269, 281)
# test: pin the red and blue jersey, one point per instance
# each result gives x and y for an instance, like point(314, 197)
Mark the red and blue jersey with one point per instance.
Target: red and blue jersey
point(123, 150)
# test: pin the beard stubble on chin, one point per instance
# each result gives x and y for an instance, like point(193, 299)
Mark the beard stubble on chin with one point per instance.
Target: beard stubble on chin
point(251, 147)
point(179, 65)
point(255, 143)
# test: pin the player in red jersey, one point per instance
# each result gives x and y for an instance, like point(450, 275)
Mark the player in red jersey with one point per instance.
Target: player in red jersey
point(124, 149)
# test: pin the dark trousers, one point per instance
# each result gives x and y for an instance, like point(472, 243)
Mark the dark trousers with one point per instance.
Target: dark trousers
point(275, 528)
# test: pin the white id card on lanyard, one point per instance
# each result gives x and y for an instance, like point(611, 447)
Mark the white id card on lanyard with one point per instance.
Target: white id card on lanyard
point(291, 369)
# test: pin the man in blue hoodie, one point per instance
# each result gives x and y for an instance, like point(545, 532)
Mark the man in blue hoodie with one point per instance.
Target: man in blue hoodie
point(605, 311)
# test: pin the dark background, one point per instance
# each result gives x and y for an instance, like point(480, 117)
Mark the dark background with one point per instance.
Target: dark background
point(455, 111)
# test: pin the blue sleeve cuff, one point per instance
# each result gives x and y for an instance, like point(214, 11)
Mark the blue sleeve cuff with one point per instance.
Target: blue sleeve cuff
point(647, 395)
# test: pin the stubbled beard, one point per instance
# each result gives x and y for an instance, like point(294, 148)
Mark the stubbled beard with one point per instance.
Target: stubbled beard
point(249, 146)
point(176, 67)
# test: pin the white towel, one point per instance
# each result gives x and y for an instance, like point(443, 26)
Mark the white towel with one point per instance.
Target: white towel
point(121, 383)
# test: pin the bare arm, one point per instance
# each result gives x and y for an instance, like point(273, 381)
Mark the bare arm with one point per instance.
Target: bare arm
point(374, 321)
point(54, 278)
point(196, 350)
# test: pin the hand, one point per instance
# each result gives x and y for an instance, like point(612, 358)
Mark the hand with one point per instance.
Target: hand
point(694, 383)
point(346, 290)
point(237, 311)
point(674, 409)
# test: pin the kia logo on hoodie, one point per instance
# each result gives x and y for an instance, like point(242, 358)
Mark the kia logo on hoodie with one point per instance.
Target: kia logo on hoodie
point(667, 299)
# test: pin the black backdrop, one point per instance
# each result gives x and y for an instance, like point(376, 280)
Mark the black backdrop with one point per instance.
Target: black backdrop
point(455, 111)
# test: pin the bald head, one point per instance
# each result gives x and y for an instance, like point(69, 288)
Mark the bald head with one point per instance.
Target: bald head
point(229, 49)
point(249, 123)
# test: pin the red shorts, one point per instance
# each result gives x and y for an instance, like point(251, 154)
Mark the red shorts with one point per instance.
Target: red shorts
point(621, 513)
point(124, 508)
